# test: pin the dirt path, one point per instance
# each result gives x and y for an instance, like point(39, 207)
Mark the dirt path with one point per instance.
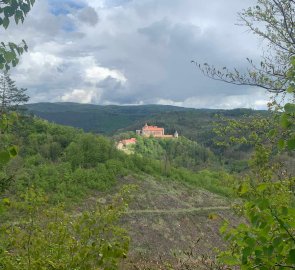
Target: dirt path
point(177, 211)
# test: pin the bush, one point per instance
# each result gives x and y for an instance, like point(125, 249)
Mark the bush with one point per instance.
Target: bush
point(48, 238)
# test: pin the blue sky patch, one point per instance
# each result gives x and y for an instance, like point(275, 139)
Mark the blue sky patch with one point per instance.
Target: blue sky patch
point(64, 7)
point(69, 27)
point(115, 3)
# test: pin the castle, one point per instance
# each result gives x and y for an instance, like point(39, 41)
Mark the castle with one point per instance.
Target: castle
point(154, 131)
point(146, 131)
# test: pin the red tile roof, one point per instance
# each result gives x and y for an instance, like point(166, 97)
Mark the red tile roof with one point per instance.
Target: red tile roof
point(152, 128)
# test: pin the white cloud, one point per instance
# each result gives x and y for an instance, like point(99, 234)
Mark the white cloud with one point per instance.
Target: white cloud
point(97, 74)
point(135, 52)
point(81, 96)
point(257, 100)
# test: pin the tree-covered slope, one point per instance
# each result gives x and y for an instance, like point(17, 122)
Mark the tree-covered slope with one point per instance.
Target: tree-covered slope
point(81, 171)
point(195, 124)
point(97, 118)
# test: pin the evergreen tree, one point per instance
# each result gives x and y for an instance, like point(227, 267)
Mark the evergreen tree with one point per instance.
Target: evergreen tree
point(10, 95)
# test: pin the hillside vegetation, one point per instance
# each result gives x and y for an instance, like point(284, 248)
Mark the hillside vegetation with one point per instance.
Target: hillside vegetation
point(195, 124)
point(59, 166)
point(97, 118)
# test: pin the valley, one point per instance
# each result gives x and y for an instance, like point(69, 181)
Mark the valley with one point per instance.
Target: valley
point(147, 135)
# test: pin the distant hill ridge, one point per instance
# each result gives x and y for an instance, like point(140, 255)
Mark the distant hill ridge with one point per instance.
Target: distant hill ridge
point(109, 119)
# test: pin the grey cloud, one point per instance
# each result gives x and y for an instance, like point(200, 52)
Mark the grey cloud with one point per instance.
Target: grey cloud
point(150, 42)
point(88, 15)
point(158, 32)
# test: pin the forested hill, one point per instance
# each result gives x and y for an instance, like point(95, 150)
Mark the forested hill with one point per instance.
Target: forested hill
point(97, 118)
point(111, 118)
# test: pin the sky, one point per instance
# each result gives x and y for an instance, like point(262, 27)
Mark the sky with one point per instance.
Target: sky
point(135, 52)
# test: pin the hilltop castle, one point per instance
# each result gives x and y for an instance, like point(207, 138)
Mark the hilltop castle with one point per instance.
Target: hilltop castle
point(146, 131)
point(154, 131)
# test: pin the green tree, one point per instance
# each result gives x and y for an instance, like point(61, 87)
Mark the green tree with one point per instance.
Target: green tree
point(9, 57)
point(10, 95)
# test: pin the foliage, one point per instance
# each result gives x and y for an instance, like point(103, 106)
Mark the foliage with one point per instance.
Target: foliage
point(179, 152)
point(69, 164)
point(93, 149)
point(97, 118)
point(288, 115)
point(50, 238)
point(9, 56)
point(17, 9)
point(194, 124)
point(55, 159)
point(266, 240)
point(10, 95)
point(7, 149)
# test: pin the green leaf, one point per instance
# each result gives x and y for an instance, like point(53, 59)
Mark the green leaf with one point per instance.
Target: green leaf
point(6, 201)
point(268, 251)
point(9, 11)
point(281, 144)
point(285, 123)
point(277, 241)
point(5, 22)
point(13, 151)
point(223, 228)
point(2, 59)
point(262, 187)
point(15, 62)
point(4, 157)
point(244, 188)
point(272, 133)
point(246, 253)
point(230, 260)
point(25, 8)
point(291, 89)
point(18, 16)
point(291, 257)
point(285, 211)
point(291, 144)
point(250, 242)
point(289, 108)
point(263, 203)
point(9, 56)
